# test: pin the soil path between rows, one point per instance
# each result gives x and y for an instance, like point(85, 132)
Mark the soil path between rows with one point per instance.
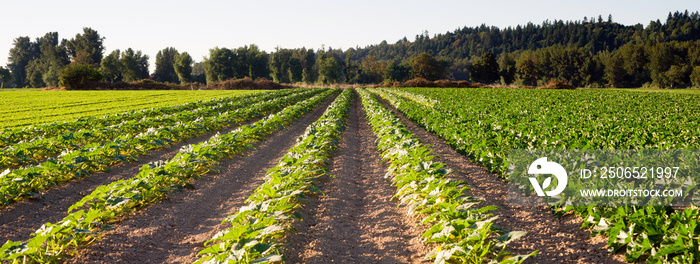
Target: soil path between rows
point(19, 220)
point(355, 221)
point(174, 230)
point(558, 240)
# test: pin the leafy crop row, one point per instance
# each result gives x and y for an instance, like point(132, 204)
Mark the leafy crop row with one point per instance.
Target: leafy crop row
point(88, 217)
point(37, 150)
point(258, 227)
point(28, 181)
point(462, 230)
point(484, 124)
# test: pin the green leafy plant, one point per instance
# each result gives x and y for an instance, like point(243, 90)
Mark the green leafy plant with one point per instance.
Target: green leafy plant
point(484, 124)
point(462, 232)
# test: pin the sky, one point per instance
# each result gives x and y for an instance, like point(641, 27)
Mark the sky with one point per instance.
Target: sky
point(197, 26)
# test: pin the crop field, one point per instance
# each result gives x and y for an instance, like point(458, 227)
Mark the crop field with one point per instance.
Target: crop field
point(313, 175)
point(24, 108)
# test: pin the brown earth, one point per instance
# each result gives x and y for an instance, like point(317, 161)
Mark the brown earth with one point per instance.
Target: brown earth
point(19, 220)
point(558, 240)
point(355, 221)
point(174, 230)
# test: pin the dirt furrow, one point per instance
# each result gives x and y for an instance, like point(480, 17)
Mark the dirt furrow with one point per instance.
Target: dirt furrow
point(19, 220)
point(355, 221)
point(174, 230)
point(558, 240)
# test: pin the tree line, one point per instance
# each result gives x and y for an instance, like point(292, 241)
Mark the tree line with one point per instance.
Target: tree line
point(594, 52)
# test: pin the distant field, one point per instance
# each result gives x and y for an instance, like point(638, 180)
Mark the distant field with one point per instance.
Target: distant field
point(23, 108)
point(678, 91)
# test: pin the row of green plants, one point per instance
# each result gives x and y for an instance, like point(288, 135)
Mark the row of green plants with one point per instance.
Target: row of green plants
point(258, 228)
point(91, 215)
point(9, 137)
point(29, 181)
point(463, 231)
point(35, 151)
point(485, 124)
point(22, 108)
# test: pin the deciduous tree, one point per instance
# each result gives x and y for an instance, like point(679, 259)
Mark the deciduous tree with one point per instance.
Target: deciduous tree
point(183, 67)
point(220, 65)
point(165, 65)
point(328, 70)
point(426, 66)
point(112, 67)
point(91, 43)
point(134, 65)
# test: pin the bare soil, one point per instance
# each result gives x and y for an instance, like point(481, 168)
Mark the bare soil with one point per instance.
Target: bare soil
point(174, 230)
point(355, 221)
point(19, 220)
point(558, 240)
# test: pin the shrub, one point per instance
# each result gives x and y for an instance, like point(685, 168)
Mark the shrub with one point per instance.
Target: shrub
point(422, 82)
point(79, 76)
point(695, 76)
point(556, 84)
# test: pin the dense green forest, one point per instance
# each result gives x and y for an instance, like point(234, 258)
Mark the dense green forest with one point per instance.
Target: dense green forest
point(593, 52)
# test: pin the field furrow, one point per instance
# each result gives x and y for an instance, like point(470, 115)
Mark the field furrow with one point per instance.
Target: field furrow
point(174, 230)
point(19, 220)
point(354, 220)
point(91, 216)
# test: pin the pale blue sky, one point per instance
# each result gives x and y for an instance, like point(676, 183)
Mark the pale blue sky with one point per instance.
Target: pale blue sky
point(197, 26)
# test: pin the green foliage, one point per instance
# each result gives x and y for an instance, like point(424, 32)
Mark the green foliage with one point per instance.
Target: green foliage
point(615, 73)
point(695, 76)
point(20, 56)
point(507, 69)
point(372, 71)
point(165, 65)
point(134, 65)
point(183, 67)
point(295, 70)
point(5, 77)
point(47, 115)
point(485, 69)
point(461, 231)
point(220, 65)
point(308, 60)
point(77, 76)
point(90, 44)
point(112, 67)
point(35, 71)
point(397, 72)
point(328, 70)
point(527, 71)
point(279, 65)
point(256, 64)
point(426, 66)
point(533, 120)
point(94, 150)
point(88, 217)
point(52, 75)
